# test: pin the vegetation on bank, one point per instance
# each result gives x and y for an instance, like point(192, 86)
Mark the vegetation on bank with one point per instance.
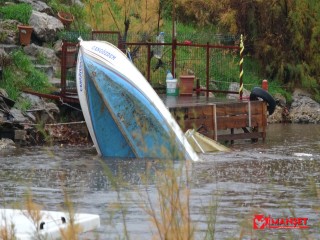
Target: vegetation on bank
point(282, 36)
point(22, 74)
point(20, 12)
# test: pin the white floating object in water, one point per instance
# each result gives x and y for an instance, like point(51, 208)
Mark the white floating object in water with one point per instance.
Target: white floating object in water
point(51, 223)
point(303, 154)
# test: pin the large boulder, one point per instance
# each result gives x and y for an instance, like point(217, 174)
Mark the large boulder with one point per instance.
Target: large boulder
point(48, 54)
point(45, 27)
point(39, 6)
point(36, 50)
point(304, 109)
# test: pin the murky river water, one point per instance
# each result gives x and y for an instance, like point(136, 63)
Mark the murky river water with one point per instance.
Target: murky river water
point(278, 178)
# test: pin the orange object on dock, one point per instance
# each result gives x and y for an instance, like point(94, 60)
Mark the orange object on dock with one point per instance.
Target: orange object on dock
point(265, 85)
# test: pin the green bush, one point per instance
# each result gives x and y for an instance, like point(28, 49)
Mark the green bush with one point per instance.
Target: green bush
point(22, 75)
point(20, 12)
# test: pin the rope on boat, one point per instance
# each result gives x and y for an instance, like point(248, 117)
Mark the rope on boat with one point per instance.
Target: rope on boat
point(128, 53)
point(68, 105)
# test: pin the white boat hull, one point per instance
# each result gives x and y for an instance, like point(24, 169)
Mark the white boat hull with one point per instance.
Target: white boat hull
point(49, 226)
point(124, 115)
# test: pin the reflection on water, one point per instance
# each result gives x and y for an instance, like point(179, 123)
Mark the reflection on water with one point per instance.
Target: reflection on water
point(278, 178)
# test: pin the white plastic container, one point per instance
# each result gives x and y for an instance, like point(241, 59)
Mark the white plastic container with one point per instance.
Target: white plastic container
point(169, 75)
point(172, 88)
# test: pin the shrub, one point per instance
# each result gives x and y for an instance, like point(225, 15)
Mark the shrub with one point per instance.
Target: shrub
point(20, 12)
point(23, 75)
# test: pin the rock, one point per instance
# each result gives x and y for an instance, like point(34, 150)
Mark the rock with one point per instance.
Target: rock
point(304, 109)
point(31, 117)
point(39, 6)
point(45, 27)
point(78, 2)
point(50, 114)
point(18, 116)
point(6, 144)
point(35, 101)
point(4, 109)
point(280, 115)
point(281, 100)
point(47, 69)
point(3, 92)
point(9, 33)
point(235, 87)
point(58, 47)
point(47, 54)
point(35, 50)
point(299, 92)
point(5, 60)
point(276, 117)
point(45, 112)
point(8, 48)
point(281, 112)
point(52, 108)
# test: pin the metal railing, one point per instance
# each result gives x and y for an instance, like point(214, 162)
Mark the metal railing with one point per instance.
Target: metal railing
point(214, 66)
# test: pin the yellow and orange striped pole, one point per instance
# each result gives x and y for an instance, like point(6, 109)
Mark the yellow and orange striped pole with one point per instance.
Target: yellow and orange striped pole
point(241, 66)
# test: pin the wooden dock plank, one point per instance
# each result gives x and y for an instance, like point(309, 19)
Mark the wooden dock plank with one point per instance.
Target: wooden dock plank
point(238, 121)
point(239, 136)
point(212, 116)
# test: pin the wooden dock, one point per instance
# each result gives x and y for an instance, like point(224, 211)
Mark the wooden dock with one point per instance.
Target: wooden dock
point(221, 120)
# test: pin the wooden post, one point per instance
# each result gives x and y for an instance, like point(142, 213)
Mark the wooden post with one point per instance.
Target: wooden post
point(215, 122)
point(174, 40)
point(264, 120)
point(173, 64)
point(198, 89)
point(149, 62)
point(207, 71)
point(63, 68)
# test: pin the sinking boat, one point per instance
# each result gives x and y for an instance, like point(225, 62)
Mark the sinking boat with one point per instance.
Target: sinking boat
point(24, 225)
point(125, 116)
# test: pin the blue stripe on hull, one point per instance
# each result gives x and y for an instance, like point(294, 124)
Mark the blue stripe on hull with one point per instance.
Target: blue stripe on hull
point(110, 140)
point(143, 127)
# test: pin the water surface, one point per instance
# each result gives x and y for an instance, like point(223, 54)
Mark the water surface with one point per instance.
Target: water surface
point(279, 177)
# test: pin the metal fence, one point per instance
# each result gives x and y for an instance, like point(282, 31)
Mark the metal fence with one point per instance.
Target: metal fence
point(215, 66)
